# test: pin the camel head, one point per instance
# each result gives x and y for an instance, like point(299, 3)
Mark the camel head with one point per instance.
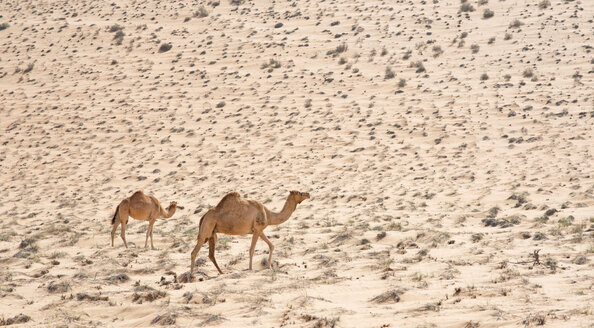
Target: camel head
point(172, 206)
point(299, 196)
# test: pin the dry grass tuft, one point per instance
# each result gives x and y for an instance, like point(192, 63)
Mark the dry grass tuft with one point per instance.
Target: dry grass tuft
point(391, 296)
point(167, 319)
point(58, 287)
point(20, 318)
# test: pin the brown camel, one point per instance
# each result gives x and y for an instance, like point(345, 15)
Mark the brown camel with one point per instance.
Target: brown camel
point(140, 207)
point(237, 216)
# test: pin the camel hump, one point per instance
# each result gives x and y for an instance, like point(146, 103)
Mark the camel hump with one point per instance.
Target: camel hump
point(228, 197)
point(137, 193)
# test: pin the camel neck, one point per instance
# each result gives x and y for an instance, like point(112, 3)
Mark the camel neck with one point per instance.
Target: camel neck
point(167, 213)
point(284, 214)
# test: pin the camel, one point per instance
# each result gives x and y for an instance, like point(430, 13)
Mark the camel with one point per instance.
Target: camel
point(140, 207)
point(235, 215)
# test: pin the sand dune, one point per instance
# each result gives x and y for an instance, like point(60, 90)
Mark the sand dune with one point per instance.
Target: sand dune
point(442, 143)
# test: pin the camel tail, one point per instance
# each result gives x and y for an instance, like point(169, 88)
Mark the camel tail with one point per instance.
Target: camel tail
point(115, 215)
point(200, 225)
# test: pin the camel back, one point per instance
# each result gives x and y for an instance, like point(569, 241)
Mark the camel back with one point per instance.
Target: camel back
point(229, 196)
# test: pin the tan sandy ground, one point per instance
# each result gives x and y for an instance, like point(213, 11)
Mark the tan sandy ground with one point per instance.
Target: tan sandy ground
point(432, 185)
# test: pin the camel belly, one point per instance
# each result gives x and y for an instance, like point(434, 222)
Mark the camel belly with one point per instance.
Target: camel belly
point(234, 226)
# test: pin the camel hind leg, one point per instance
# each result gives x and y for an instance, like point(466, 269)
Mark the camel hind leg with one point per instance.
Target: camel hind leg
point(149, 232)
point(123, 234)
point(199, 244)
point(122, 217)
point(204, 234)
point(113, 229)
point(212, 241)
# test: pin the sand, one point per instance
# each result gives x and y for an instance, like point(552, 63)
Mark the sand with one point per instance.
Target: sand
point(441, 149)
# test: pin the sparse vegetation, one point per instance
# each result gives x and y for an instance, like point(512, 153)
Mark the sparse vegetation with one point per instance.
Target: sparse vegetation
point(475, 48)
point(201, 12)
point(167, 319)
point(115, 28)
point(488, 13)
point(516, 23)
point(389, 73)
point(391, 296)
point(119, 37)
point(271, 64)
point(338, 50)
point(466, 7)
point(4, 26)
point(544, 4)
point(165, 47)
point(308, 103)
point(401, 83)
point(484, 77)
point(122, 277)
point(58, 287)
point(418, 65)
point(437, 51)
point(20, 318)
point(528, 73)
point(29, 68)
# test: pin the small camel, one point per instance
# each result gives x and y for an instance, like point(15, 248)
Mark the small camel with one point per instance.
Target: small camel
point(140, 207)
point(237, 216)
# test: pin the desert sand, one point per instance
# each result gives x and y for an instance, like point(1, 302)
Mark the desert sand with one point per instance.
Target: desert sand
point(447, 148)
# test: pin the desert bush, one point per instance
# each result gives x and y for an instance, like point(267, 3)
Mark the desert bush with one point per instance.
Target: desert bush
point(544, 4)
point(466, 7)
point(119, 37)
point(4, 26)
point(271, 64)
point(488, 13)
point(29, 68)
point(389, 73)
point(201, 12)
point(165, 47)
point(516, 23)
point(114, 28)
point(419, 65)
point(437, 51)
point(339, 49)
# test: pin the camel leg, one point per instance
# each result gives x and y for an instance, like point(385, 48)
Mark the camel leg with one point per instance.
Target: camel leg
point(113, 230)
point(194, 253)
point(271, 249)
point(212, 241)
point(152, 224)
point(255, 236)
point(149, 232)
point(123, 233)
